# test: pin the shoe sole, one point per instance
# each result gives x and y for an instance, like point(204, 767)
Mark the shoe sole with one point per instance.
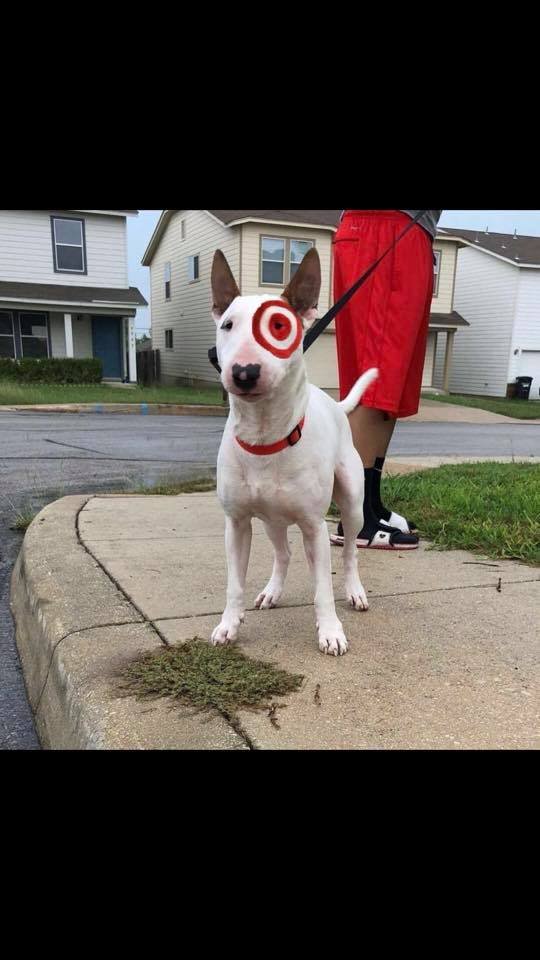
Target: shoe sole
point(365, 545)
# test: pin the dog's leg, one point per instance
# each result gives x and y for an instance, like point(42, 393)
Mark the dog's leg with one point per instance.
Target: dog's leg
point(282, 555)
point(317, 546)
point(349, 496)
point(237, 546)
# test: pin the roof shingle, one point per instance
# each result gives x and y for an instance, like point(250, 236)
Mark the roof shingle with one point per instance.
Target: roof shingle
point(519, 250)
point(12, 290)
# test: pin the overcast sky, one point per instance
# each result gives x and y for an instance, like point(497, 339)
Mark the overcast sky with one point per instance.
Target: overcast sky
point(140, 230)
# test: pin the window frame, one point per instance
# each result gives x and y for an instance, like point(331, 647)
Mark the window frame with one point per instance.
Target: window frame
point(171, 345)
point(167, 279)
point(55, 244)
point(194, 257)
point(437, 272)
point(10, 314)
point(26, 336)
point(287, 254)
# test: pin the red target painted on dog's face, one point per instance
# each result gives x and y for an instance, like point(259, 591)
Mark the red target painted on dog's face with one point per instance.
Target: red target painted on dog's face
point(277, 328)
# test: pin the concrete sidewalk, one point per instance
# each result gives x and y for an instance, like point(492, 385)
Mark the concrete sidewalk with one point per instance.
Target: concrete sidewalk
point(433, 411)
point(442, 660)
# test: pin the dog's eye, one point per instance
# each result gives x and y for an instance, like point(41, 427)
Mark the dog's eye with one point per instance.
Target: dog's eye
point(227, 325)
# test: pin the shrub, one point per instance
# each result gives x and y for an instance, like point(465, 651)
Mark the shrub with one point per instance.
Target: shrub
point(8, 369)
point(52, 370)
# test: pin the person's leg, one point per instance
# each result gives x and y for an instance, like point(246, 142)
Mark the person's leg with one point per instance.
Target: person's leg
point(372, 432)
point(374, 331)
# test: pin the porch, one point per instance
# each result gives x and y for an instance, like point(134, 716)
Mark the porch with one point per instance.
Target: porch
point(440, 350)
point(59, 321)
point(40, 334)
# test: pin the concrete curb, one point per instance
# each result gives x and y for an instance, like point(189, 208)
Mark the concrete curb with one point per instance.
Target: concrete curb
point(75, 630)
point(144, 409)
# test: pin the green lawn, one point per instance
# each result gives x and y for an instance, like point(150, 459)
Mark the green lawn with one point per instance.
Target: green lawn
point(17, 393)
point(521, 409)
point(491, 508)
point(488, 508)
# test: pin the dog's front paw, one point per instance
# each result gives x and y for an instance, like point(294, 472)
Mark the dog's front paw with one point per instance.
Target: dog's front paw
point(269, 596)
point(356, 595)
point(332, 640)
point(226, 631)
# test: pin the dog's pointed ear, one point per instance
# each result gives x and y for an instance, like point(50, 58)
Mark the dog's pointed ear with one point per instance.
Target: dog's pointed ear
point(224, 287)
point(303, 290)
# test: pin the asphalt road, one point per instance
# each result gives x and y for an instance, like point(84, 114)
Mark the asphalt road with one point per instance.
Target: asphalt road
point(46, 456)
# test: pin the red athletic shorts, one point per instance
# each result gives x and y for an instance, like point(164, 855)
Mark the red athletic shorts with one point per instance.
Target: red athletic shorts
point(385, 324)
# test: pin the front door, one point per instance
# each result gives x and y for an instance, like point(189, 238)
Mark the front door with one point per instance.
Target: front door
point(107, 345)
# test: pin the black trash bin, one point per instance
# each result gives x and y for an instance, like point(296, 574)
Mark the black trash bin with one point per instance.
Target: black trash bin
point(523, 387)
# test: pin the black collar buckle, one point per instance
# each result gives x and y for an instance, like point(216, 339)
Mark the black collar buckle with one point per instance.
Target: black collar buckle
point(295, 436)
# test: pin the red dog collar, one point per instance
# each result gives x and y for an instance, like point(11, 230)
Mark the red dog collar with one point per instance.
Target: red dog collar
point(265, 451)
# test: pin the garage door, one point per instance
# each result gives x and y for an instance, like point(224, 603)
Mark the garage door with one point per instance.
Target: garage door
point(529, 366)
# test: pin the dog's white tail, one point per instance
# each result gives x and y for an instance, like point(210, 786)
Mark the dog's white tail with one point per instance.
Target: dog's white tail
point(351, 401)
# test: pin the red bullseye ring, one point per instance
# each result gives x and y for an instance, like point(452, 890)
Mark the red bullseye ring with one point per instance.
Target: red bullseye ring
point(277, 328)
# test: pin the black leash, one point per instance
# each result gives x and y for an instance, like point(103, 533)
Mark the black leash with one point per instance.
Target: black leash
point(323, 322)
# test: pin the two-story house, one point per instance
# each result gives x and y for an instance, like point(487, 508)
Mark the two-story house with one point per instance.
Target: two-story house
point(498, 291)
point(264, 249)
point(64, 287)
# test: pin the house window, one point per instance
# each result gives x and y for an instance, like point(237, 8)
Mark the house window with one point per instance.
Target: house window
point(437, 254)
point(169, 339)
point(167, 281)
point(182, 229)
point(272, 260)
point(193, 268)
point(7, 336)
point(280, 258)
point(298, 250)
point(69, 248)
point(34, 337)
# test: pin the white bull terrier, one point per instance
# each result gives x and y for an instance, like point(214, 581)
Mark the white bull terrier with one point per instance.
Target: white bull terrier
point(287, 448)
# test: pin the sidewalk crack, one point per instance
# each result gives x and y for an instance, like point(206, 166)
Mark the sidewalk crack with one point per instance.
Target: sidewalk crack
point(233, 722)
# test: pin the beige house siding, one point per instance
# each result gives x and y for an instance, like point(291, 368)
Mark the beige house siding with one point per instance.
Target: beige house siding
point(188, 312)
point(427, 376)
point(443, 302)
point(321, 362)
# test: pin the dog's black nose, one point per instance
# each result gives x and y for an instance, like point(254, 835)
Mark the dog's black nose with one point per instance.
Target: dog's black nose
point(245, 378)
